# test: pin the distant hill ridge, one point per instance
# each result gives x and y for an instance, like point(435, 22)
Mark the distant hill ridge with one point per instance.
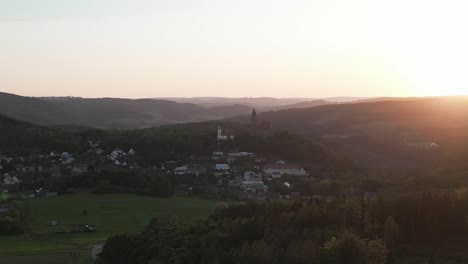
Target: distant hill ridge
point(110, 112)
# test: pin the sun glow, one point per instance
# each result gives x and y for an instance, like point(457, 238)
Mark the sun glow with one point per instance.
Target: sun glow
point(297, 48)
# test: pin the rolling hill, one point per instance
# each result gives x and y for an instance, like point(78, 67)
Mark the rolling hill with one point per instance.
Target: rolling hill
point(110, 112)
point(383, 133)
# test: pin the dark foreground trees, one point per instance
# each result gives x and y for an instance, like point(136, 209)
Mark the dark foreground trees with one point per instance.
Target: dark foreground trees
point(312, 230)
point(305, 231)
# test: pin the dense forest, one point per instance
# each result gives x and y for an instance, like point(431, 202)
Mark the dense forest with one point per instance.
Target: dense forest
point(313, 230)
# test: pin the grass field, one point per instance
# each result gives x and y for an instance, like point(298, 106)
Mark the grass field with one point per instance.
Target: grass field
point(108, 213)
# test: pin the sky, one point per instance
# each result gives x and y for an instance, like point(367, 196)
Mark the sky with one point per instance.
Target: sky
point(242, 48)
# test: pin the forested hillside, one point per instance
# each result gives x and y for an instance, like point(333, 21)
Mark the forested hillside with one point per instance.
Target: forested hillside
point(384, 133)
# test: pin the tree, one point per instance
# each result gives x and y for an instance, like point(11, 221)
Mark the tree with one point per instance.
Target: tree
point(391, 231)
point(347, 249)
point(376, 252)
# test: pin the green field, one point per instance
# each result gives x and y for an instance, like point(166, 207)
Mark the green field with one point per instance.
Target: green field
point(108, 213)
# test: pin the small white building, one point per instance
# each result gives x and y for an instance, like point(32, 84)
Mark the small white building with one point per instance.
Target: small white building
point(222, 167)
point(224, 136)
point(284, 169)
point(116, 153)
point(182, 170)
point(217, 155)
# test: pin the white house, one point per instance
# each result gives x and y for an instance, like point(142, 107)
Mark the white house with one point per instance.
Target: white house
point(284, 169)
point(222, 167)
point(224, 136)
point(116, 154)
point(182, 170)
point(217, 155)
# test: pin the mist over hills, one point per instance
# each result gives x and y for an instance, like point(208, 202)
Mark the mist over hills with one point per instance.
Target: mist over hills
point(261, 103)
point(138, 113)
point(110, 112)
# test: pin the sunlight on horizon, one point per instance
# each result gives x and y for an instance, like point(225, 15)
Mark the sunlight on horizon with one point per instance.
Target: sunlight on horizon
point(234, 49)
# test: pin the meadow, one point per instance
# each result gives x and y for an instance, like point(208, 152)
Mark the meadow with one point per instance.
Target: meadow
point(109, 214)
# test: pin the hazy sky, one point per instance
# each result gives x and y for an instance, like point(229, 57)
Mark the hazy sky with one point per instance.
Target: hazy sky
point(286, 48)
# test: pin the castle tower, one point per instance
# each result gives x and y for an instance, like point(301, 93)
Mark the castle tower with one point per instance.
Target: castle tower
point(253, 118)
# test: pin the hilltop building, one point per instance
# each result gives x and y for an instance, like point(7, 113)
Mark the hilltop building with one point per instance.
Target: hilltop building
point(224, 136)
point(256, 127)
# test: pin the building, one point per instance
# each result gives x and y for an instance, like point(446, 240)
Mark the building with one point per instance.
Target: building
point(253, 183)
point(224, 136)
point(66, 158)
point(8, 180)
point(222, 169)
point(217, 155)
point(275, 170)
point(116, 154)
point(182, 170)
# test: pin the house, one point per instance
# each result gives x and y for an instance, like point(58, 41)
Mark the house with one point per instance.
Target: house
point(276, 175)
point(222, 169)
point(284, 169)
point(217, 155)
point(252, 176)
point(66, 158)
point(253, 186)
point(8, 180)
point(131, 152)
point(235, 153)
point(116, 153)
point(253, 183)
point(182, 170)
point(287, 185)
point(224, 136)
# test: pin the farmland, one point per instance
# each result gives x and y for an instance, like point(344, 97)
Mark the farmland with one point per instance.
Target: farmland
point(109, 214)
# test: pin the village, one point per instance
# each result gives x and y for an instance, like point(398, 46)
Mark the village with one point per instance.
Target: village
point(232, 174)
point(237, 174)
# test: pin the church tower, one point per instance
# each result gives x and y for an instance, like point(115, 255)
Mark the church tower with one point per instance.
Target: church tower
point(220, 134)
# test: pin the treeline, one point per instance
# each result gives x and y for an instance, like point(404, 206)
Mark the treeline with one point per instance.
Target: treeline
point(303, 231)
point(313, 230)
point(284, 145)
point(157, 145)
point(10, 221)
point(119, 181)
